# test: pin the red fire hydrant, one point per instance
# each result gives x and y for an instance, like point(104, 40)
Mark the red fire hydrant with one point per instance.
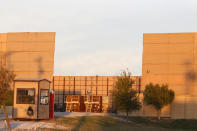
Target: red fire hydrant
point(51, 106)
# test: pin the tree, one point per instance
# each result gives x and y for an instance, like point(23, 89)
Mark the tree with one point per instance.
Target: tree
point(125, 98)
point(158, 96)
point(6, 78)
point(9, 100)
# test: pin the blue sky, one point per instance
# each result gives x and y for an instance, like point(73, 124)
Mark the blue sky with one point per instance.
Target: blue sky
point(98, 37)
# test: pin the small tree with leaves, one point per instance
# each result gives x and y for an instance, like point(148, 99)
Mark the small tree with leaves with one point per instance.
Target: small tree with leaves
point(125, 98)
point(158, 96)
point(6, 79)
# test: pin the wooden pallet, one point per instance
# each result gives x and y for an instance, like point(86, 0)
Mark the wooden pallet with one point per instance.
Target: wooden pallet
point(93, 103)
point(75, 103)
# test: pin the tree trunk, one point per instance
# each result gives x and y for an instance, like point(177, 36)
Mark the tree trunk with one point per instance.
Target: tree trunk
point(159, 114)
point(127, 113)
point(7, 119)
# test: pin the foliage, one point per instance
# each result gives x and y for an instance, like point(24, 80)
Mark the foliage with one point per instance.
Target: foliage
point(9, 100)
point(125, 98)
point(158, 96)
point(6, 79)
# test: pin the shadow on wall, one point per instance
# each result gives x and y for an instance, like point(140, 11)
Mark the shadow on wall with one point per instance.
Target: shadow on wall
point(6, 61)
point(190, 77)
point(40, 68)
point(186, 106)
point(182, 79)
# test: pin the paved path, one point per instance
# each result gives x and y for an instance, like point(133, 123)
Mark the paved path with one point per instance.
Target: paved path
point(69, 114)
point(74, 114)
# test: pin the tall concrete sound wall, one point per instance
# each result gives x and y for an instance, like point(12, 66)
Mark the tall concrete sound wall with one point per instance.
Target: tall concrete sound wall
point(28, 54)
point(3, 41)
point(171, 58)
point(168, 58)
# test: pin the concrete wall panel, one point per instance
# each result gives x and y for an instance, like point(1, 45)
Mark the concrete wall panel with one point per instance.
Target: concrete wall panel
point(175, 66)
point(158, 48)
point(156, 59)
point(30, 54)
point(155, 38)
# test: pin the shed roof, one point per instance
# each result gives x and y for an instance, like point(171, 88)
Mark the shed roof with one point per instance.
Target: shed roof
point(31, 79)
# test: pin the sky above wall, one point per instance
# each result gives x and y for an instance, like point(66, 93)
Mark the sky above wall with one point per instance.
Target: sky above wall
point(98, 37)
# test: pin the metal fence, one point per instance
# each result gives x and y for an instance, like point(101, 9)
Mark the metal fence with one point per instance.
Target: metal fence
point(80, 85)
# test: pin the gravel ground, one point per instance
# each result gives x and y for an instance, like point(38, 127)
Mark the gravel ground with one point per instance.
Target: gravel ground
point(2, 117)
point(30, 126)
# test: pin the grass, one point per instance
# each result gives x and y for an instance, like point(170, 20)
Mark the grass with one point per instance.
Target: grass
point(186, 124)
point(107, 123)
point(180, 124)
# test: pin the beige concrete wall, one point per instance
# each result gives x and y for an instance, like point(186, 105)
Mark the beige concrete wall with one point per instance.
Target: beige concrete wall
point(3, 41)
point(169, 58)
point(29, 54)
